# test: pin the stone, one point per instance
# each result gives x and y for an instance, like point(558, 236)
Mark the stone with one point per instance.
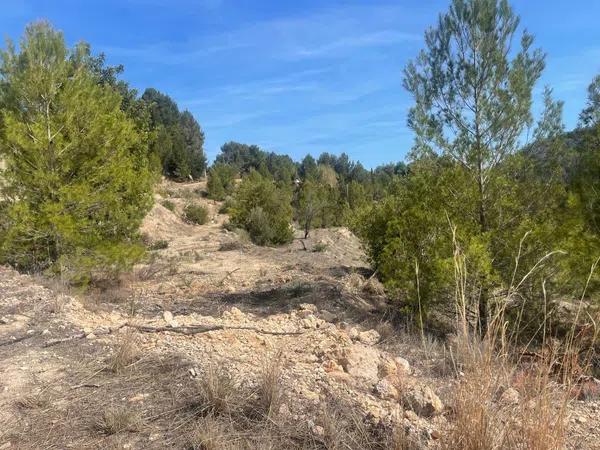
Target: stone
point(510, 396)
point(422, 400)
point(168, 317)
point(90, 336)
point(312, 322)
point(332, 366)
point(402, 365)
point(370, 337)
point(385, 390)
point(354, 333)
point(284, 410)
point(303, 313)
point(235, 313)
point(308, 307)
point(387, 367)
point(4, 321)
point(138, 397)
point(327, 316)
point(361, 361)
point(318, 430)
point(410, 415)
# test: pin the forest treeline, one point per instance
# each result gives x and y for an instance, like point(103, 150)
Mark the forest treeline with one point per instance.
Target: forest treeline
point(493, 204)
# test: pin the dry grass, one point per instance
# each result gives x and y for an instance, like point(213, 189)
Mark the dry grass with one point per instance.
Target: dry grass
point(536, 417)
point(345, 427)
point(117, 420)
point(35, 400)
point(210, 433)
point(269, 390)
point(217, 392)
point(231, 245)
point(126, 353)
point(483, 419)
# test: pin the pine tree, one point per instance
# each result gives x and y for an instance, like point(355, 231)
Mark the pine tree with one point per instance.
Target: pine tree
point(590, 116)
point(472, 101)
point(77, 183)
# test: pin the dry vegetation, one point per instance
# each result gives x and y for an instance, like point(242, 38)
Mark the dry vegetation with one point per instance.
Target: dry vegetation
point(218, 344)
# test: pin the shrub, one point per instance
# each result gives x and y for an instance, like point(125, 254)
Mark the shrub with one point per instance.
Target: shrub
point(196, 214)
point(118, 420)
point(217, 392)
point(159, 245)
point(125, 354)
point(259, 227)
point(226, 206)
point(263, 209)
point(221, 181)
point(169, 205)
point(319, 247)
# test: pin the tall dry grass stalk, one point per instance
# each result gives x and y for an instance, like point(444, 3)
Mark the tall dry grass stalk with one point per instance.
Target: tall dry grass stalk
point(505, 399)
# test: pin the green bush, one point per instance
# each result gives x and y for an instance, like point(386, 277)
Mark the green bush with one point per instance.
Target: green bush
point(158, 245)
point(169, 205)
point(263, 209)
point(196, 214)
point(226, 206)
point(259, 227)
point(221, 181)
point(320, 247)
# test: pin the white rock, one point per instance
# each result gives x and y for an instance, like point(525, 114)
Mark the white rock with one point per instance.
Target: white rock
point(362, 362)
point(510, 397)
point(422, 400)
point(386, 390)
point(168, 317)
point(402, 365)
point(303, 313)
point(370, 337)
point(308, 307)
point(310, 322)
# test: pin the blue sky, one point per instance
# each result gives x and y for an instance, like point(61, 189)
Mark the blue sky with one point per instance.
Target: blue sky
point(300, 76)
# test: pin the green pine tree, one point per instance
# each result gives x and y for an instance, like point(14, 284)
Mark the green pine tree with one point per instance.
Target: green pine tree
point(472, 103)
point(77, 183)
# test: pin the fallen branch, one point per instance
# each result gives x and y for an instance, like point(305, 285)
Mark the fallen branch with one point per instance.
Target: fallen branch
point(198, 329)
point(19, 339)
point(81, 336)
point(60, 341)
point(228, 275)
point(86, 386)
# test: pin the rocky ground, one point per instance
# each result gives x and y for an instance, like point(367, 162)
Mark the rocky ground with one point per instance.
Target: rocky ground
point(298, 338)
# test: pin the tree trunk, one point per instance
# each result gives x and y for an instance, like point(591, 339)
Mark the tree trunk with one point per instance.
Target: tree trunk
point(484, 293)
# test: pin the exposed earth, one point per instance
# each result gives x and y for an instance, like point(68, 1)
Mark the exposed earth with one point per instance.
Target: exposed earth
point(309, 314)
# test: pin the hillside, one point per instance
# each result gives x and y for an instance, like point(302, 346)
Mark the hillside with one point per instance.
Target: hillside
point(216, 343)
